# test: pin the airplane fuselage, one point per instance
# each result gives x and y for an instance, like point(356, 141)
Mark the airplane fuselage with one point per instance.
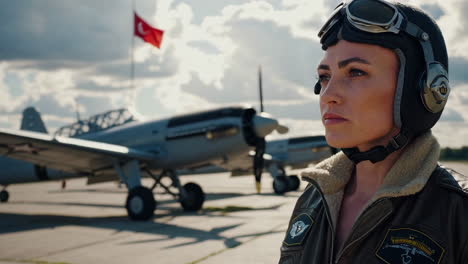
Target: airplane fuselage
point(178, 143)
point(178, 146)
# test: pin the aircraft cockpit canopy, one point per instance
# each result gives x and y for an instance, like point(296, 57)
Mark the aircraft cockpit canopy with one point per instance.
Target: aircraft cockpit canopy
point(96, 123)
point(206, 116)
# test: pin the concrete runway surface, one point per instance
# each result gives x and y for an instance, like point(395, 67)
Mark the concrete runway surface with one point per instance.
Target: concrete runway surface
point(88, 224)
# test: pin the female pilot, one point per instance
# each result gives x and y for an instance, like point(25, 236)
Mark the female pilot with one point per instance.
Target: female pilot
point(383, 83)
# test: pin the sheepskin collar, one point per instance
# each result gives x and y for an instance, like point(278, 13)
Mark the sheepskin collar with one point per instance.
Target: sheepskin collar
point(408, 175)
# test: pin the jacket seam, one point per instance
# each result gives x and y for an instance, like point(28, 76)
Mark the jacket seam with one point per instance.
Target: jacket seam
point(327, 214)
point(454, 189)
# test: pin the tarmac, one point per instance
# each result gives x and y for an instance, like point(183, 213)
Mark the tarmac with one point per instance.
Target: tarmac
point(44, 224)
point(41, 223)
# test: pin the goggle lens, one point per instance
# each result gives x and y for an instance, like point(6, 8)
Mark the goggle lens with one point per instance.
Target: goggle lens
point(372, 11)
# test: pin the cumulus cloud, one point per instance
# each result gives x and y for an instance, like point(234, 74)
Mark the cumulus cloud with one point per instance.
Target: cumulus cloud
point(85, 31)
point(58, 60)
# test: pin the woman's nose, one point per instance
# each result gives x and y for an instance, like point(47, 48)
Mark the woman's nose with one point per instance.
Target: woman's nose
point(331, 92)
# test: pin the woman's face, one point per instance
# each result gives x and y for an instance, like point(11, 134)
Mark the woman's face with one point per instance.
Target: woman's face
point(356, 100)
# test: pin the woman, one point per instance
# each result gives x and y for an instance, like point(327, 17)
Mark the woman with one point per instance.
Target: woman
point(383, 84)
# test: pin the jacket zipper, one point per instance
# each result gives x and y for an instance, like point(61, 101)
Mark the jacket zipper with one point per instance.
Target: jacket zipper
point(327, 213)
point(368, 231)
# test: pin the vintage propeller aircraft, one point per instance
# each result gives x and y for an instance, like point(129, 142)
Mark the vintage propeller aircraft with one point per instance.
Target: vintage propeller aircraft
point(114, 143)
point(292, 152)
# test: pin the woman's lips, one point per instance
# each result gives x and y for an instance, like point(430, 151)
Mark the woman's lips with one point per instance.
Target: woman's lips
point(333, 119)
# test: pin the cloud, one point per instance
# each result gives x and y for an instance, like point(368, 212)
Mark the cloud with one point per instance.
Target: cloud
point(457, 70)
point(203, 9)
point(261, 38)
point(451, 134)
point(53, 58)
point(452, 115)
point(48, 30)
point(434, 9)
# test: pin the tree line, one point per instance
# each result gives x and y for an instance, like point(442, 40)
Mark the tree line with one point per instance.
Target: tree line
point(458, 154)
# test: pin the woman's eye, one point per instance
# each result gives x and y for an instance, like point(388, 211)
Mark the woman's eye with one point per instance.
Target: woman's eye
point(357, 73)
point(323, 78)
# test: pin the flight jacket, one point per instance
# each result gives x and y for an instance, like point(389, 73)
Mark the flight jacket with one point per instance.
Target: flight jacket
point(418, 215)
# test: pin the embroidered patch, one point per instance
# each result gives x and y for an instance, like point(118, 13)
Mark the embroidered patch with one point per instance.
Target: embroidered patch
point(409, 246)
point(298, 230)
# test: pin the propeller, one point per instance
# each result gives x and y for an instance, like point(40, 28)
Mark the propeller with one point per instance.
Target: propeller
point(263, 125)
point(258, 163)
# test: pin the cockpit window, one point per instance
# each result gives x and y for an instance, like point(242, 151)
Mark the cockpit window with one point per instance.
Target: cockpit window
point(97, 123)
point(205, 116)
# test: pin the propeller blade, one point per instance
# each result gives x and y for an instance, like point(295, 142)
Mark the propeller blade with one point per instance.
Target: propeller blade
point(258, 162)
point(260, 88)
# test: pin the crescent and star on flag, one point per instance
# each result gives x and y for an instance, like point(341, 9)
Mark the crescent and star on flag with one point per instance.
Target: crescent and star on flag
point(140, 29)
point(147, 32)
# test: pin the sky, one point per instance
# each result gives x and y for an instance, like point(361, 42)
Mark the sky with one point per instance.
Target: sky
point(64, 57)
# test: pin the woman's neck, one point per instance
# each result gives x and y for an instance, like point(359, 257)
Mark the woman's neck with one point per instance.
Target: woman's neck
point(368, 176)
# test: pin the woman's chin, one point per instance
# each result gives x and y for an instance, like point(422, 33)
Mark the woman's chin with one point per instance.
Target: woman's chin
point(340, 141)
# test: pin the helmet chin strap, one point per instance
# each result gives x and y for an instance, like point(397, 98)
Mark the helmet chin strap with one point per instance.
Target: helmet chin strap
point(378, 153)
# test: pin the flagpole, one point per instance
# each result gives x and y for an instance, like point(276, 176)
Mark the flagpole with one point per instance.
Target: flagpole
point(132, 71)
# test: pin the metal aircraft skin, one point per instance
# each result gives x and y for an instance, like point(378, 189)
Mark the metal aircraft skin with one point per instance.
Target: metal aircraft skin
point(101, 150)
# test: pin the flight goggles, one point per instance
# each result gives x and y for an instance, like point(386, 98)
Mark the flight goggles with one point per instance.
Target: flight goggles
point(373, 16)
point(377, 16)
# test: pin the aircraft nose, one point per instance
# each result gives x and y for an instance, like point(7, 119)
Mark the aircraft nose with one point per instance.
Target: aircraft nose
point(264, 124)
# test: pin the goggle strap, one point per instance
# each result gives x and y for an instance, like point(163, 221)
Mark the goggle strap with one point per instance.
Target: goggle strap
point(415, 31)
point(427, 49)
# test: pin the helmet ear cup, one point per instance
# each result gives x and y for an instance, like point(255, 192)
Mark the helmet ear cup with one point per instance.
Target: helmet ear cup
point(435, 88)
point(317, 88)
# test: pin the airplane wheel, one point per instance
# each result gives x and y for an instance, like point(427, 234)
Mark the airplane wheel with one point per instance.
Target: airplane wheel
point(280, 185)
point(140, 203)
point(194, 198)
point(293, 182)
point(4, 196)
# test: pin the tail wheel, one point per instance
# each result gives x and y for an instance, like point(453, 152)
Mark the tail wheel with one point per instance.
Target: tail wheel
point(140, 203)
point(4, 196)
point(280, 185)
point(193, 198)
point(293, 182)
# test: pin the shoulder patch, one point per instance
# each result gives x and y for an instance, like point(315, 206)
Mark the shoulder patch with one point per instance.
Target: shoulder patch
point(409, 246)
point(298, 230)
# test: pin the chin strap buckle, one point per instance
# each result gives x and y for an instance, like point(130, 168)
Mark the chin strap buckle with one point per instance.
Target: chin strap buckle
point(378, 153)
point(397, 142)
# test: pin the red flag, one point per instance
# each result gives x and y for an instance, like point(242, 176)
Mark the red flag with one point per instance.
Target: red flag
point(147, 33)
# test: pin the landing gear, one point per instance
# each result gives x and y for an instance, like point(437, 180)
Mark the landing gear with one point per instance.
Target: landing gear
point(4, 195)
point(293, 182)
point(280, 184)
point(140, 203)
point(192, 198)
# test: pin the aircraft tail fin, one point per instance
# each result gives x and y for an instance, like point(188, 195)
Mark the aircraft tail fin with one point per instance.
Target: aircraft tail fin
point(32, 121)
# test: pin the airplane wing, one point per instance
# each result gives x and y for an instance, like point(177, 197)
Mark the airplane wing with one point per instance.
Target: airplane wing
point(66, 154)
